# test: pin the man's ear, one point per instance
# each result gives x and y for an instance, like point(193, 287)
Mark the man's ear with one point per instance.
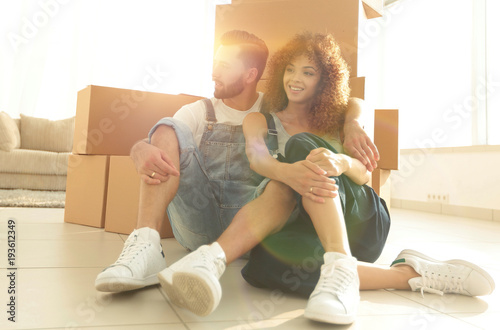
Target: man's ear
point(252, 74)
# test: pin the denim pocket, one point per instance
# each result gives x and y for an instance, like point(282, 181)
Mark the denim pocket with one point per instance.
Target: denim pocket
point(227, 166)
point(223, 150)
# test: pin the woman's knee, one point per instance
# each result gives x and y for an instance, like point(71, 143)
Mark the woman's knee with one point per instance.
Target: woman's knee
point(300, 145)
point(280, 193)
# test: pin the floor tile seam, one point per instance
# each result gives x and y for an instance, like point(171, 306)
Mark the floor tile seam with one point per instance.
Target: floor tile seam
point(70, 232)
point(462, 320)
point(52, 268)
point(400, 223)
point(448, 241)
point(436, 228)
point(475, 313)
point(245, 324)
point(172, 307)
point(445, 233)
point(107, 325)
point(243, 321)
point(403, 242)
point(436, 311)
point(427, 305)
point(409, 314)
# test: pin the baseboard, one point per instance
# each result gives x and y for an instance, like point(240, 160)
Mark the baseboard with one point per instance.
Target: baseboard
point(447, 209)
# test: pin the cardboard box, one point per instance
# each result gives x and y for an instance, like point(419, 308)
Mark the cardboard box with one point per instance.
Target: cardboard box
point(123, 198)
point(276, 21)
point(357, 85)
point(373, 8)
point(110, 120)
point(86, 189)
point(386, 138)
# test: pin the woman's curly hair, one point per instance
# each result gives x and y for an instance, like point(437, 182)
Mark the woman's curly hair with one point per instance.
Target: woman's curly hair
point(329, 106)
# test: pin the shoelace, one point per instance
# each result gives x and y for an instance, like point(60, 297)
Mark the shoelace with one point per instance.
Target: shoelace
point(440, 284)
point(335, 279)
point(130, 251)
point(207, 262)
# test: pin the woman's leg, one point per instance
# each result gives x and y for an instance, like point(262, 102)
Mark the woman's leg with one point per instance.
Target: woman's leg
point(335, 298)
point(374, 277)
point(329, 223)
point(328, 220)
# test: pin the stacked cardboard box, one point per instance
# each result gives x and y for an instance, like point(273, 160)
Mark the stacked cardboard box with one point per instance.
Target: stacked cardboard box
point(86, 189)
point(122, 205)
point(103, 187)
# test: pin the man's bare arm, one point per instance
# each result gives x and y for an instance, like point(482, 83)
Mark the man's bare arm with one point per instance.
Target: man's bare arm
point(149, 159)
point(357, 143)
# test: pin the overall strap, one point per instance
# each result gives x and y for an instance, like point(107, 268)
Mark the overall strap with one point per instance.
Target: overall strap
point(210, 112)
point(272, 136)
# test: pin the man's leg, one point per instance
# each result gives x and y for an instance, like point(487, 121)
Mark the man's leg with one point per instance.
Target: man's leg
point(154, 199)
point(263, 216)
point(193, 281)
point(142, 256)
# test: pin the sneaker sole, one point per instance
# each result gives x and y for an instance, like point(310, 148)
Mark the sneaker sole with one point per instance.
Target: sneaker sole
point(332, 319)
point(406, 253)
point(190, 291)
point(124, 284)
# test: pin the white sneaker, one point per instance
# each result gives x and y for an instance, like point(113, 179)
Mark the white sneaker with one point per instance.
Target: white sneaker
point(139, 263)
point(335, 298)
point(451, 276)
point(193, 281)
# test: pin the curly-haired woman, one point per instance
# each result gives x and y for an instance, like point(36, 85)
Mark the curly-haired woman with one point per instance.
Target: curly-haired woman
point(306, 97)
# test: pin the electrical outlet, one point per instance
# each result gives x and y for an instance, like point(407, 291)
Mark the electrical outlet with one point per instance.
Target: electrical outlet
point(438, 198)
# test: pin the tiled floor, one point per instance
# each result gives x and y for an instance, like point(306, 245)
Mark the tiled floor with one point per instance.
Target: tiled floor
point(58, 262)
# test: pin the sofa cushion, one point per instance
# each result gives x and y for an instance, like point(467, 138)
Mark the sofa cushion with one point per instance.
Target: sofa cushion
point(23, 161)
point(9, 133)
point(45, 134)
point(32, 181)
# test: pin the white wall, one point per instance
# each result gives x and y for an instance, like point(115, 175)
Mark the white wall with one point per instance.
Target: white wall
point(468, 175)
point(51, 49)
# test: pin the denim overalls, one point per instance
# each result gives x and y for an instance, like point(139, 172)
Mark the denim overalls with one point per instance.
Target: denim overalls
point(215, 180)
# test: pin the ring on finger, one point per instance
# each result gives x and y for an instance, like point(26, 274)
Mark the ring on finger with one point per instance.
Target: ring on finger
point(311, 190)
point(153, 175)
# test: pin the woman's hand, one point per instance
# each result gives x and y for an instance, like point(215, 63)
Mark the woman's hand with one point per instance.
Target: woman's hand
point(310, 181)
point(152, 163)
point(305, 177)
point(336, 164)
point(333, 164)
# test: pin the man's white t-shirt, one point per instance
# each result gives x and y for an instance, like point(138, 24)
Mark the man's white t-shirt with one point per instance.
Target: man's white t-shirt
point(194, 115)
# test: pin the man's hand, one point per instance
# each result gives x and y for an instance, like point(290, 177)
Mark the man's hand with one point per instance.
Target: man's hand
point(310, 181)
point(358, 145)
point(152, 163)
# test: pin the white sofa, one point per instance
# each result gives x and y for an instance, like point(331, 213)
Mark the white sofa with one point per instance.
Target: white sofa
point(34, 152)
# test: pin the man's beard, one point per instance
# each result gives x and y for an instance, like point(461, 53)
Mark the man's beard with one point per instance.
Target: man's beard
point(231, 90)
